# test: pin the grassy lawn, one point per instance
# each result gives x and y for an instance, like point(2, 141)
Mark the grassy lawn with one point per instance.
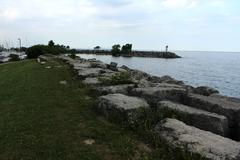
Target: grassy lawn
point(43, 119)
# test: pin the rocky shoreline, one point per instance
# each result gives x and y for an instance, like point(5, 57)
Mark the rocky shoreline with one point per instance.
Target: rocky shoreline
point(151, 54)
point(197, 120)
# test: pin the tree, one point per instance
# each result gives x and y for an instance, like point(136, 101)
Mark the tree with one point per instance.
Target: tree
point(126, 49)
point(51, 43)
point(35, 51)
point(116, 50)
point(97, 48)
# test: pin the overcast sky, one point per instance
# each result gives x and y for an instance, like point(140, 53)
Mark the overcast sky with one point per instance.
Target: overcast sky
point(147, 24)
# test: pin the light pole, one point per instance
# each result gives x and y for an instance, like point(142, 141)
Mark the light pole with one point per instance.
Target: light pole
point(20, 43)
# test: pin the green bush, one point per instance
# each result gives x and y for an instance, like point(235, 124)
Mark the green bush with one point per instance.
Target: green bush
point(119, 78)
point(35, 51)
point(14, 57)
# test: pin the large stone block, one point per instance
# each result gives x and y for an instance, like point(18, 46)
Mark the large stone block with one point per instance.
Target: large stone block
point(228, 107)
point(206, 144)
point(161, 92)
point(213, 122)
point(123, 89)
point(121, 108)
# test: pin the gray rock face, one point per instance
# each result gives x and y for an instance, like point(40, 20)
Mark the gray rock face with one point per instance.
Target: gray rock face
point(92, 82)
point(164, 79)
point(89, 72)
point(215, 123)
point(222, 106)
point(80, 66)
point(138, 75)
point(211, 146)
point(206, 91)
point(162, 92)
point(121, 107)
point(123, 89)
point(98, 64)
point(65, 58)
point(113, 66)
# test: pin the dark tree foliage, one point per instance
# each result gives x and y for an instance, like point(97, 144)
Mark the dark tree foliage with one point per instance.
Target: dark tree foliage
point(35, 51)
point(116, 50)
point(97, 48)
point(51, 43)
point(126, 49)
point(51, 48)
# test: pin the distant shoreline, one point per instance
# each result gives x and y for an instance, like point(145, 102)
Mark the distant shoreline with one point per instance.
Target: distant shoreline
point(151, 54)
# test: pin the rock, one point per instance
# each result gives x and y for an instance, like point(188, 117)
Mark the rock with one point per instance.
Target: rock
point(138, 75)
point(42, 63)
point(48, 67)
point(80, 66)
point(206, 144)
point(92, 81)
point(125, 68)
point(65, 58)
point(89, 72)
point(89, 141)
point(113, 66)
point(121, 70)
point(123, 89)
point(164, 79)
point(163, 92)
point(38, 60)
point(43, 58)
point(63, 82)
point(98, 64)
point(121, 108)
point(206, 91)
point(204, 120)
point(222, 106)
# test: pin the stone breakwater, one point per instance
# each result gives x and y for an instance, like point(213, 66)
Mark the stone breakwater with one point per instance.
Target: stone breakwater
point(152, 54)
point(198, 120)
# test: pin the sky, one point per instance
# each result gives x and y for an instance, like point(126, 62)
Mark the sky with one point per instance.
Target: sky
point(203, 25)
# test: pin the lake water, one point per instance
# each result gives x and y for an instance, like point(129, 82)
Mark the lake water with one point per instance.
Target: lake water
point(220, 70)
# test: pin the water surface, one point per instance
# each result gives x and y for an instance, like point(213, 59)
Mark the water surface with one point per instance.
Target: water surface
point(220, 70)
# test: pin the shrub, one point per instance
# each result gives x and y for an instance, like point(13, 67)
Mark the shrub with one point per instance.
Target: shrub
point(119, 78)
point(14, 57)
point(35, 51)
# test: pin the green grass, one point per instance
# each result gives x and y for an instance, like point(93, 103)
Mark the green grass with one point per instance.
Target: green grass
point(42, 119)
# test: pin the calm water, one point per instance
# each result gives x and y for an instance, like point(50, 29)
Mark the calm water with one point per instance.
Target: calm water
point(220, 70)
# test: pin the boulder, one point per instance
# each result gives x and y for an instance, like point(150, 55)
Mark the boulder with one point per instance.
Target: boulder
point(113, 66)
point(121, 108)
point(204, 120)
point(178, 135)
point(139, 75)
point(164, 79)
point(98, 64)
point(222, 106)
point(206, 91)
point(92, 82)
point(162, 92)
point(125, 67)
point(123, 89)
point(80, 66)
point(89, 72)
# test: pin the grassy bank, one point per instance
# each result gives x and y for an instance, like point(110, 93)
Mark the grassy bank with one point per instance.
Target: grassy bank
point(43, 119)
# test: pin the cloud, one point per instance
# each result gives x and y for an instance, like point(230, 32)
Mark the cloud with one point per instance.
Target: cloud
point(176, 4)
